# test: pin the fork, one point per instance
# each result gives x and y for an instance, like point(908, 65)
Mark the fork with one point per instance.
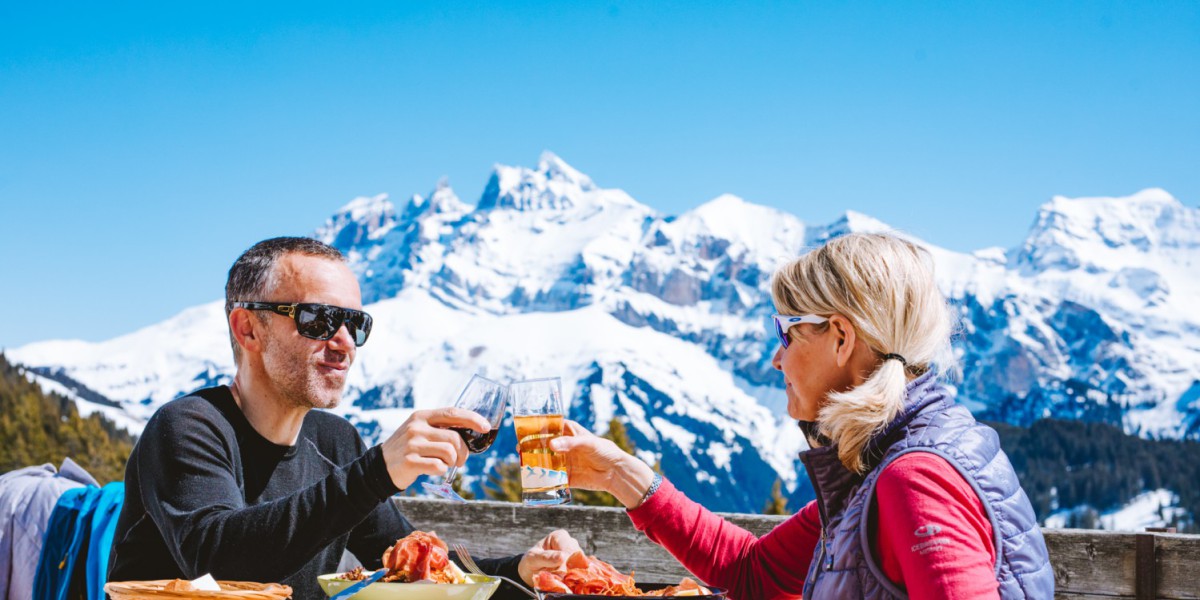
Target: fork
point(469, 563)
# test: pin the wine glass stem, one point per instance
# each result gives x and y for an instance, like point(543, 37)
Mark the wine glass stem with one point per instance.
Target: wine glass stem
point(449, 477)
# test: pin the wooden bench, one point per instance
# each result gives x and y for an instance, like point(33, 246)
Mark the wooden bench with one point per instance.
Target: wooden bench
point(1088, 564)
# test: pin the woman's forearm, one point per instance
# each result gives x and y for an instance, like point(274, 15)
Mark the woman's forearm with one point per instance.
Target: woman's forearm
point(724, 555)
point(629, 481)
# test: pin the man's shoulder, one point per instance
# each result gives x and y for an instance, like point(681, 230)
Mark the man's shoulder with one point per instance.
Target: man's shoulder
point(327, 420)
point(329, 429)
point(201, 406)
point(192, 424)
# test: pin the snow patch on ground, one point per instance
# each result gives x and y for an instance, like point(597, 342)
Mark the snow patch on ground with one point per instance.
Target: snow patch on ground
point(1157, 508)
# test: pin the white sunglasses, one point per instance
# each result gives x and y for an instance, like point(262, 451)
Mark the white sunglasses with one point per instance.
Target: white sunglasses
point(785, 322)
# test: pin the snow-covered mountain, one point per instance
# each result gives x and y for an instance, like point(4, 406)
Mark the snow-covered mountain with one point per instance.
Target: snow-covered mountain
point(661, 320)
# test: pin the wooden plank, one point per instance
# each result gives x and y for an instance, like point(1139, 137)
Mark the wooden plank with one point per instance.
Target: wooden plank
point(492, 529)
point(1088, 564)
point(1178, 566)
point(1092, 562)
point(1145, 572)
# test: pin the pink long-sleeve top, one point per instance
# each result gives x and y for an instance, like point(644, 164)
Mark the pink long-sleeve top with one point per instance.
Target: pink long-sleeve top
point(927, 499)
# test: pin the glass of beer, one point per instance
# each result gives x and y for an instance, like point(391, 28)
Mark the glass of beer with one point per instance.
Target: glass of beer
point(538, 417)
point(487, 398)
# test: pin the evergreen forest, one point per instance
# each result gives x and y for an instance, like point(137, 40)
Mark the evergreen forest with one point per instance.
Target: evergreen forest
point(1072, 463)
point(38, 428)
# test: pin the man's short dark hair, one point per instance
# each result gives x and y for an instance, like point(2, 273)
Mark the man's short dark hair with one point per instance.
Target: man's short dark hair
point(250, 277)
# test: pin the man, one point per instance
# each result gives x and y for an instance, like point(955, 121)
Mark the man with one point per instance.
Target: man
point(247, 482)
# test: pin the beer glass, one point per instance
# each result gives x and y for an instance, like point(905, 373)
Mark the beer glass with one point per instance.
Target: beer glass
point(538, 414)
point(487, 398)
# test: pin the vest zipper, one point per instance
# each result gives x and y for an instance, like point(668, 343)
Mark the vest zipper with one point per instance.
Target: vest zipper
point(810, 582)
point(824, 557)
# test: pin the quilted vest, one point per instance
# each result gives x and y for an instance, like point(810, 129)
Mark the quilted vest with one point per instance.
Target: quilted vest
point(843, 566)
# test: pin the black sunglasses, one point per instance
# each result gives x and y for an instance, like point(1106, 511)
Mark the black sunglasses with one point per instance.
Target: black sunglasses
point(318, 321)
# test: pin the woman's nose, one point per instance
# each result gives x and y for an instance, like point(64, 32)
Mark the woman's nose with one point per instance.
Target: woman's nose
point(777, 360)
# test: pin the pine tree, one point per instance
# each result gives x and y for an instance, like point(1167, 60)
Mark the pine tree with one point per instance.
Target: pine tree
point(777, 503)
point(620, 436)
point(461, 488)
point(504, 482)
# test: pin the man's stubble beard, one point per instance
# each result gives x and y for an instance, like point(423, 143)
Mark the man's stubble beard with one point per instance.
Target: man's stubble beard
point(294, 373)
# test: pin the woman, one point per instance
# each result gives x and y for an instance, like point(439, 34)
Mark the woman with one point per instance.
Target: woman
point(914, 498)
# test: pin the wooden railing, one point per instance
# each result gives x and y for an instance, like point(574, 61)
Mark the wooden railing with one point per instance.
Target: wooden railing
point(1088, 565)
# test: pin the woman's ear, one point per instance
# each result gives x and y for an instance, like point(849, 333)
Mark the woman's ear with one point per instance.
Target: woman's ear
point(844, 338)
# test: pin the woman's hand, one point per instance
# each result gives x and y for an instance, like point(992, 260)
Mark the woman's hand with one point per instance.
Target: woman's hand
point(594, 463)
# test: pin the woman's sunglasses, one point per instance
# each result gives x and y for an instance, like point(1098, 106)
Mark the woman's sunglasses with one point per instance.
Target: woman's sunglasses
point(318, 321)
point(785, 322)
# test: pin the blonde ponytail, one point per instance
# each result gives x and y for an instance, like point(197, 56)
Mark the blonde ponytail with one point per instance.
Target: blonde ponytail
point(853, 417)
point(885, 286)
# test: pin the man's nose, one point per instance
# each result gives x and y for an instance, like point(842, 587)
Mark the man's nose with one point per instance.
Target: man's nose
point(777, 360)
point(343, 340)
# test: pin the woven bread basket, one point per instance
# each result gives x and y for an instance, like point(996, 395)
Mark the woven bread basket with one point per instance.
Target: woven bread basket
point(239, 590)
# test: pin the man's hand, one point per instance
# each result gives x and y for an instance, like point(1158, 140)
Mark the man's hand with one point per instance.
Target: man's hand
point(424, 446)
point(550, 554)
point(594, 463)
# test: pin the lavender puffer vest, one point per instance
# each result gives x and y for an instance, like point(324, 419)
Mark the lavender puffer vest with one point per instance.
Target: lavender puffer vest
point(843, 566)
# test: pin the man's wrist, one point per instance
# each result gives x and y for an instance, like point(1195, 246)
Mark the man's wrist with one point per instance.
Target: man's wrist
point(379, 476)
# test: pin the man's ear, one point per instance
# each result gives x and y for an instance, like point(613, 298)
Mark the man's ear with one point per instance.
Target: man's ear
point(247, 330)
point(844, 337)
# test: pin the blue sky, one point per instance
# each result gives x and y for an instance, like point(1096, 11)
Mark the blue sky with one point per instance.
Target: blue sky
point(143, 147)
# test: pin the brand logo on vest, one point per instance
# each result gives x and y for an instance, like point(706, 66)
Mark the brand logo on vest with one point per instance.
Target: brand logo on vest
point(928, 530)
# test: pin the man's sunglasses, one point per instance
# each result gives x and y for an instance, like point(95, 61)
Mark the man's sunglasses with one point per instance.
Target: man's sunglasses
point(318, 321)
point(785, 322)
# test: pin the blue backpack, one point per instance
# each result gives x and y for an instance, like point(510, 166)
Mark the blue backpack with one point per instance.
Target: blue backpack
point(74, 560)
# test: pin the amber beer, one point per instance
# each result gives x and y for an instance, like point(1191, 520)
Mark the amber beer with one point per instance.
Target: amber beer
point(538, 418)
point(533, 438)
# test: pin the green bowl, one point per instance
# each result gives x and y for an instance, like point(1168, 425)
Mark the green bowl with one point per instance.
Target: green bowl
point(479, 587)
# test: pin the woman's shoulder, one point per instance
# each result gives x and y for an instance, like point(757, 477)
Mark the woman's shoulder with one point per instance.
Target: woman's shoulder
point(809, 513)
point(921, 472)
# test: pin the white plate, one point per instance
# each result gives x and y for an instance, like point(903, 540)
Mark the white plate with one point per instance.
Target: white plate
point(481, 587)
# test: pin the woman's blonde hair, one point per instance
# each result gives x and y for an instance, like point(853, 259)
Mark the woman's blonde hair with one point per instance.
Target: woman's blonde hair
point(885, 286)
